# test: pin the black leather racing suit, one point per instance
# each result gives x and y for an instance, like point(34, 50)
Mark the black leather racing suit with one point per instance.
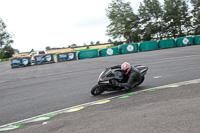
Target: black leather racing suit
point(134, 77)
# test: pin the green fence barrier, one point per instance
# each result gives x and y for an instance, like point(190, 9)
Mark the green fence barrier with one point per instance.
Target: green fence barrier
point(85, 54)
point(128, 48)
point(184, 41)
point(146, 46)
point(197, 40)
point(109, 51)
point(169, 43)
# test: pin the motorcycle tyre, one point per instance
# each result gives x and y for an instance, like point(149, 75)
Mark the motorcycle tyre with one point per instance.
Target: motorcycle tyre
point(142, 80)
point(96, 90)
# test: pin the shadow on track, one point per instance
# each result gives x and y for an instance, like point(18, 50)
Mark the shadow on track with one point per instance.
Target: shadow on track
point(120, 92)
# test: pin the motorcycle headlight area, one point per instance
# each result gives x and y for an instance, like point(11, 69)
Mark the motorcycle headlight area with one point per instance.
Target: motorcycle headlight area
point(100, 75)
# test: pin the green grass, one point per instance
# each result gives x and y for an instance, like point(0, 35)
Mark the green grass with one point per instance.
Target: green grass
point(4, 59)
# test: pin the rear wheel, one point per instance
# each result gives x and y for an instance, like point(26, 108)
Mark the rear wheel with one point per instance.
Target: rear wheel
point(140, 82)
point(97, 90)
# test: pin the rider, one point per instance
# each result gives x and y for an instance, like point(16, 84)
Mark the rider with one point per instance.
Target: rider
point(133, 74)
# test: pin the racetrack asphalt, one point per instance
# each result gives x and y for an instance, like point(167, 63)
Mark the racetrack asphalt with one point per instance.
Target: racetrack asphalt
point(169, 110)
point(36, 90)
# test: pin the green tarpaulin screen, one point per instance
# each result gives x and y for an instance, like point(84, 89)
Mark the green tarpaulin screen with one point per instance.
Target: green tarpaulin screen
point(197, 40)
point(128, 48)
point(109, 51)
point(169, 43)
point(151, 45)
point(85, 54)
point(184, 41)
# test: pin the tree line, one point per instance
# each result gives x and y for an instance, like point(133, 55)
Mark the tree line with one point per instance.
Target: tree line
point(176, 18)
point(173, 19)
point(6, 49)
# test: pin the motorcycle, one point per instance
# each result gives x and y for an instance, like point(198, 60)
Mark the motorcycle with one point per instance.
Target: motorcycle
point(106, 78)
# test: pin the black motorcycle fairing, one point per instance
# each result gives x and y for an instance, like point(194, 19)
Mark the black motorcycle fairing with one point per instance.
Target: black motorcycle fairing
point(142, 69)
point(105, 80)
point(109, 75)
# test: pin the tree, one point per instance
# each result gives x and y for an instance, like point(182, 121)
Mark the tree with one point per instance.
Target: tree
point(97, 43)
point(16, 51)
point(48, 48)
point(73, 45)
point(196, 16)
point(176, 17)
point(91, 43)
point(124, 23)
point(110, 41)
point(116, 43)
point(32, 50)
point(6, 50)
point(151, 14)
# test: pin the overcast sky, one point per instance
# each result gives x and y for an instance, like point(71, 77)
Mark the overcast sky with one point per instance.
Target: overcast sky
point(56, 23)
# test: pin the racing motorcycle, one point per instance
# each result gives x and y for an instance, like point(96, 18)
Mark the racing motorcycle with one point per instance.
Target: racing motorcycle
point(106, 78)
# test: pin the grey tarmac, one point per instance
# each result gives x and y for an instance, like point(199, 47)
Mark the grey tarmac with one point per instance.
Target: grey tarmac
point(32, 91)
point(169, 110)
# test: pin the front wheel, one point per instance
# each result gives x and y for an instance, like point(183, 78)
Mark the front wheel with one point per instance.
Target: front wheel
point(97, 90)
point(139, 82)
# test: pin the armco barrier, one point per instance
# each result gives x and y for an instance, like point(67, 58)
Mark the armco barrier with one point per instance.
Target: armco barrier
point(184, 41)
point(66, 56)
point(146, 46)
point(44, 59)
point(169, 43)
point(20, 62)
point(128, 48)
point(85, 54)
point(197, 40)
point(109, 51)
